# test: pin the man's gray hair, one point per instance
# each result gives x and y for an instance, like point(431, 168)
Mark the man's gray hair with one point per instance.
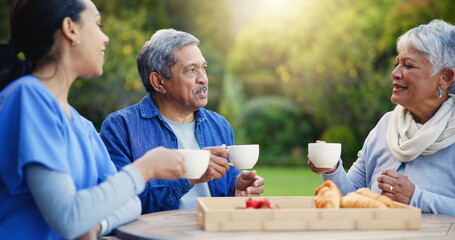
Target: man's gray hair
point(157, 54)
point(436, 40)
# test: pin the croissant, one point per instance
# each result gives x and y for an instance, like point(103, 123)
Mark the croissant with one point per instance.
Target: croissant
point(355, 200)
point(327, 196)
point(376, 196)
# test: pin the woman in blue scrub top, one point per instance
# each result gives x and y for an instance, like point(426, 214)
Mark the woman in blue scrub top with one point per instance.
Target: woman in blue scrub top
point(56, 178)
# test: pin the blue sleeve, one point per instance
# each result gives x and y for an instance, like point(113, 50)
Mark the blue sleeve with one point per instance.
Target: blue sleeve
point(356, 177)
point(233, 172)
point(340, 178)
point(127, 213)
point(71, 213)
point(34, 134)
point(432, 202)
point(225, 186)
point(162, 195)
point(158, 195)
point(116, 141)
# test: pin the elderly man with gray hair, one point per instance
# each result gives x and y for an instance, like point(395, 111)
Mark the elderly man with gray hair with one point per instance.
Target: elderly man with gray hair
point(172, 115)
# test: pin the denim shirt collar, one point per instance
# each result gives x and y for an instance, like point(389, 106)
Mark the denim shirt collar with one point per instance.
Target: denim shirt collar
point(149, 109)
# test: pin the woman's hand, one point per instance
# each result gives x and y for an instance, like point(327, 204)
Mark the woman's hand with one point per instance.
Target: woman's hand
point(321, 170)
point(161, 163)
point(396, 186)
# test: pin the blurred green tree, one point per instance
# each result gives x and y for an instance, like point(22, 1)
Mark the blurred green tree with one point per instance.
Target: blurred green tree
point(407, 14)
point(319, 55)
point(342, 134)
point(232, 105)
point(5, 7)
point(278, 125)
point(332, 57)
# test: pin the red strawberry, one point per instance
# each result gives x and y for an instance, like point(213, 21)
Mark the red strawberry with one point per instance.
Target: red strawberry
point(251, 203)
point(260, 203)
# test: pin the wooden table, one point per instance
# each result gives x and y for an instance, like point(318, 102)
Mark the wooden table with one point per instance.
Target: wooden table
point(183, 224)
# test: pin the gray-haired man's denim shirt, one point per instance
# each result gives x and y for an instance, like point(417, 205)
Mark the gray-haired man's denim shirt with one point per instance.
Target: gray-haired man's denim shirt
point(129, 133)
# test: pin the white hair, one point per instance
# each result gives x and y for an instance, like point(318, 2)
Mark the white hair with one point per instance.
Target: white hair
point(436, 40)
point(157, 54)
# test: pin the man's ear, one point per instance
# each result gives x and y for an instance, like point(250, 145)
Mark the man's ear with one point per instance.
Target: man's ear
point(447, 78)
point(69, 31)
point(157, 82)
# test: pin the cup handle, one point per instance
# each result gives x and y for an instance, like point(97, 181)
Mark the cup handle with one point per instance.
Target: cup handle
point(227, 150)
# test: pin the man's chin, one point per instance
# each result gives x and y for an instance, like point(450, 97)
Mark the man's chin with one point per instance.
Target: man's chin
point(201, 104)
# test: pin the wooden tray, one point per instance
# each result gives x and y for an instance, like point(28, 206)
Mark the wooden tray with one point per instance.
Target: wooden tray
point(299, 213)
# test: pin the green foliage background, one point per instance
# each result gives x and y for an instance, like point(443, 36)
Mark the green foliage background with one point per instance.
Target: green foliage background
point(284, 73)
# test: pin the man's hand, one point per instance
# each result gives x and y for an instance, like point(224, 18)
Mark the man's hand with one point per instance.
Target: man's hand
point(218, 165)
point(248, 183)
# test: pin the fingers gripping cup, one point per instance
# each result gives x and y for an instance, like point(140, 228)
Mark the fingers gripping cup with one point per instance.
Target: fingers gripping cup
point(324, 155)
point(196, 162)
point(243, 156)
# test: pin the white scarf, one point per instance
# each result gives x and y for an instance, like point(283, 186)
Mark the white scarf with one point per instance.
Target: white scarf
point(407, 139)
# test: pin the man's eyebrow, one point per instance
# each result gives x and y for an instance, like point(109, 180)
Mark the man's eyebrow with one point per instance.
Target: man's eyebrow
point(194, 64)
point(190, 65)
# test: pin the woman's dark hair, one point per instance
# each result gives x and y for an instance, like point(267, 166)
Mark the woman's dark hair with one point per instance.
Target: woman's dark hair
point(33, 24)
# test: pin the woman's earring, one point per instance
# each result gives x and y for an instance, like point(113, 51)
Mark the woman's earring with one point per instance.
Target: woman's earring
point(75, 43)
point(440, 93)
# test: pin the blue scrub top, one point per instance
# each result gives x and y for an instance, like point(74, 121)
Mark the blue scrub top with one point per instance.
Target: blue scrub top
point(34, 128)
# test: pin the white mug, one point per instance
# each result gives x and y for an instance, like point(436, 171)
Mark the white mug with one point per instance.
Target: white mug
point(196, 162)
point(243, 156)
point(324, 155)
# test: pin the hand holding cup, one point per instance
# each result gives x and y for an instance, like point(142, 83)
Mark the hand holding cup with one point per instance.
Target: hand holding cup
point(324, 155)
point(196, 162)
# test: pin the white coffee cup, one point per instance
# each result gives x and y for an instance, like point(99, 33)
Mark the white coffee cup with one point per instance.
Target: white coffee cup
point(196, 162)
point(243, 156)
point(324, 155)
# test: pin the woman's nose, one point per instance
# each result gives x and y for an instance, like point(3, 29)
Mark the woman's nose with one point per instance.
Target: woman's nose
point(396, 73)
point(106, 39)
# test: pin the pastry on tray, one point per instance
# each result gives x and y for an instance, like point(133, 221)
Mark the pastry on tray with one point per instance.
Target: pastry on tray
point(329, 196)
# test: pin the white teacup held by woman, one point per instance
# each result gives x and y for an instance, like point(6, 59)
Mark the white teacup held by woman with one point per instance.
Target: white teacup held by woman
point(196, 162)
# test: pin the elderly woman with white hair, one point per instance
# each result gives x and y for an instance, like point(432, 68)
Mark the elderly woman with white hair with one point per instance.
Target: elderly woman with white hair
point(410, 155)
